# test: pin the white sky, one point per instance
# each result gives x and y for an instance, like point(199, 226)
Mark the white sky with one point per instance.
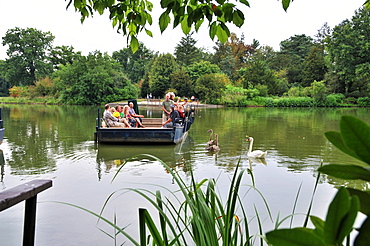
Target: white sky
point(266, 21)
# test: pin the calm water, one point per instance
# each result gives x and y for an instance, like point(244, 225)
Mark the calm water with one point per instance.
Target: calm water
point(55, 142)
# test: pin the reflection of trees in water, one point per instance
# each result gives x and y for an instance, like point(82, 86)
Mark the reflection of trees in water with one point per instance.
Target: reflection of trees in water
point(177, 157)
point(37, 134)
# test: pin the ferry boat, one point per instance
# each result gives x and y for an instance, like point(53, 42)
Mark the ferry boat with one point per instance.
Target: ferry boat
point(152, 133)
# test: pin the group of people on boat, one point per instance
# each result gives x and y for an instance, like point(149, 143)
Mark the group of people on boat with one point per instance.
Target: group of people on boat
point(174, 113)
point(122, 116)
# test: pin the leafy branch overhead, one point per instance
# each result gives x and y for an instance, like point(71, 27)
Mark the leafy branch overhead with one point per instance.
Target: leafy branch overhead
point(133, 17)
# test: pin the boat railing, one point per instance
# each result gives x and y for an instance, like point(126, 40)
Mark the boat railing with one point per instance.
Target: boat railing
point(26, 192)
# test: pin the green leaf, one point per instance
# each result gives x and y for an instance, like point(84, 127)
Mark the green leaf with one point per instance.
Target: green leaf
point(221, 34)
point(198, 24)
point(364, 200)
point(338, 209)
point(149, 33)
point(164, 20)
point(286, 4)
point(346, 171)
point(317, 222)
point(356, 135)
point(336, 139)
point(348, 221)
point(213, 30)
point(319, 225)
point(294, 237)
point(238, 18)
point(363, 237)
point(184, 25)
point(134, 44)
point(245, 2)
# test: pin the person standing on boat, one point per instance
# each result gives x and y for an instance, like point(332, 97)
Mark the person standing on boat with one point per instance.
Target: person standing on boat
point(109, 119)
point(133, 113)
point(166, 107)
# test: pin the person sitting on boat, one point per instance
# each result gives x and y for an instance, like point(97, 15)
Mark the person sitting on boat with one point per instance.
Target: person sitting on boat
point(174, 120)
point(120, 115)
point(109, 119)
point(181, 111)
point(166, 107)
point(133, 113)
point(133, 122)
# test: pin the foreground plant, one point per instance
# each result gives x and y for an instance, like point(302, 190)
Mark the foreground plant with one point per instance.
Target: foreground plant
point(354, 140)
point(200, 219)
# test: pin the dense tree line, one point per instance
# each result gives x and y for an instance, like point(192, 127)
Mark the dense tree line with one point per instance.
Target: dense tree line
point(334, 65)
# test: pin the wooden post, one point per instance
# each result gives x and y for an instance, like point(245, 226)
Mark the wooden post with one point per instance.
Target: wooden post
point(29, 222)
point(25, 192)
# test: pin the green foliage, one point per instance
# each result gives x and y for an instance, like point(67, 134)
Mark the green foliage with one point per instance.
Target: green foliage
point(334, 99)
point(186, 52)
point(198, 69)
point(134, 17)
point(27, 50)
point(353, 139)
point(291, 57)
point(63, 55)
point(210, 87)
point(234, 96)
point(363, 101)
point(348, 52)
point(314, 66)
point(160, 74)
point(294, 102)
point(258, 73)
point(94, 79)
point(134, 65)
point(182, 83)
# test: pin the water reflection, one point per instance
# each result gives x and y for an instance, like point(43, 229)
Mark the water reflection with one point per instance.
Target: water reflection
point(111, 157)
point(40, 136)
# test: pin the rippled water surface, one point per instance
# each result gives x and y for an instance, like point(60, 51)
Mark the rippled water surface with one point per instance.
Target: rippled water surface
point(56, 142)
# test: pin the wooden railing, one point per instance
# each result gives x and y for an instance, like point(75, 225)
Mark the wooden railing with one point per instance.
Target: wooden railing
point(25, 192)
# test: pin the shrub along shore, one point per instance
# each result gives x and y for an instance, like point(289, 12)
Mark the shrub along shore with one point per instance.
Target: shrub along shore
point(332, 100)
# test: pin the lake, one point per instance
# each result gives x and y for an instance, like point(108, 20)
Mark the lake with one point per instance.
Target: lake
point(57, 143)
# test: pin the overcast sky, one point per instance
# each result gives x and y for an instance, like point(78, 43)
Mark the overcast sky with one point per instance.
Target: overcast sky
point(266, 22)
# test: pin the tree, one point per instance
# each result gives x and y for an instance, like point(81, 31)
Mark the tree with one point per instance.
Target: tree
point(186, 52)
point(63, 55)
point(94, 79)
point(314, 66)
point(4, 85)
point(210, 87)
point(258, 73)
point(198, 69)
point(349, 54)
point(233, 55)
point(27, 54)
point(134, 65)
point(293, 51)
point(182, 83)
point(160, 74)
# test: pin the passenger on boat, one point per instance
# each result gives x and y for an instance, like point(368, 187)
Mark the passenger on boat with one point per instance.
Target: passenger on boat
point(131, 120)
point(109, 119)
point(166, 107)
point(121, 115)
point(133, 113)
point(174, 120)
point(181, 111)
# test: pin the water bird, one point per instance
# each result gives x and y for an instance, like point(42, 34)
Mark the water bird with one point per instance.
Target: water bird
point(211, 140)
point(214, 146)
point(258, 154)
